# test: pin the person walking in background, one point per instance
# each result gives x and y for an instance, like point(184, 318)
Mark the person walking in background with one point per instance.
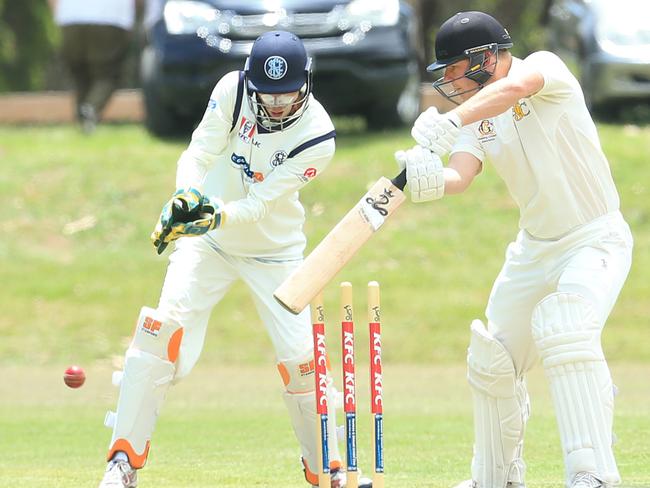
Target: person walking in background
point(562, 274)
point(263, 137)
point(96, 38)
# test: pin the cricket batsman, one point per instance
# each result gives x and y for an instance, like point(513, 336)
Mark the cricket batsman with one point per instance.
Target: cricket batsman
point(564, 270)
point(235, 215)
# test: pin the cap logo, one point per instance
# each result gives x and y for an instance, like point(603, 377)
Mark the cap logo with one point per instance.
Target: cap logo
point(464, 20)
point(275, 67)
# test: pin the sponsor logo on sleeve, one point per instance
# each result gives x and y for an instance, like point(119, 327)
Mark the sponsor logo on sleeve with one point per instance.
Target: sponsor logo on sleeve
point(212, 104)
point(307, 175)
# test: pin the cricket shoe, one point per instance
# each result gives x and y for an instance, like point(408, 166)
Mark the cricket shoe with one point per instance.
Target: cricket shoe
point(119, 474)
point(474, 484)
point(339, 479)
point(586, 480)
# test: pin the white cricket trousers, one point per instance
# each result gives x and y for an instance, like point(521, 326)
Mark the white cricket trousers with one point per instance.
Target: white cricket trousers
point(199, 275)
point(592, 261)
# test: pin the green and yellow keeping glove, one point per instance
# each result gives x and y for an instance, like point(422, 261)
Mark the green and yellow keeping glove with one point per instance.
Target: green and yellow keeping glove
point(188, 213)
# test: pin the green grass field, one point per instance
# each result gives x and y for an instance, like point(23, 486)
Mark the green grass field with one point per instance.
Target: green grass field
point(76, 265)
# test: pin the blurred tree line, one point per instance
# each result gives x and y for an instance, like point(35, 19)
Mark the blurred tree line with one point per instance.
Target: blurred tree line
point(29, 38)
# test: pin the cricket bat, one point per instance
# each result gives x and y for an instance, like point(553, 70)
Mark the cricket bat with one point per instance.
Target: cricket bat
point(342, 242)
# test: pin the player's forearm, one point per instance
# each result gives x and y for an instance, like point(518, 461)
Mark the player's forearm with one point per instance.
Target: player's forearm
point(491, 101)
point(245, 211)
point(191, 171)
point(455, 182)
point(209, 140)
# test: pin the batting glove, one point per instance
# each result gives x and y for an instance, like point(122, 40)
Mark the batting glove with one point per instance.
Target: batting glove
point(188, 213)
point(424, 173)
point(435, 131)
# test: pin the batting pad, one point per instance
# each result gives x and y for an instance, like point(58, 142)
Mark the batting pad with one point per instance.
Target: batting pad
point(148, 371)
point(298, 374)
point(302, 412)
point(501, 410)
point(567, 333)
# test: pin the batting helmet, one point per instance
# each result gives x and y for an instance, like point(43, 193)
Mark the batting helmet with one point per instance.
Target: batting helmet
point(469, 35)
point(278, 63)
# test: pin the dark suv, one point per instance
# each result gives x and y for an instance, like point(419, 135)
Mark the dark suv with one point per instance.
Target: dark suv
point(365, 57)
point(607, 45)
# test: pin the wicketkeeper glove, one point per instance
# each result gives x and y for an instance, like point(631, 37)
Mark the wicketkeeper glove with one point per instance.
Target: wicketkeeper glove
point(187, 213)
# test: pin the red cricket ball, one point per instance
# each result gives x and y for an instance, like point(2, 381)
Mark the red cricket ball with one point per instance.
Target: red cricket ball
point(74, 376)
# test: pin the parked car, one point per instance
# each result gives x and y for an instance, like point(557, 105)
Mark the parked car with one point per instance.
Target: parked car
point(607, 43)
point(365, 57)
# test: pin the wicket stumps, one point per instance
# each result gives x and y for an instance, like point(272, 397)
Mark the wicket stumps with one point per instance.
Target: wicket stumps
point(349, 385)
point(376, 384)
point(320, 370)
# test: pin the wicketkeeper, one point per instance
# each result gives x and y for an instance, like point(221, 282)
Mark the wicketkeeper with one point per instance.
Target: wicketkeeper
point(235, 215)
point(566, 267)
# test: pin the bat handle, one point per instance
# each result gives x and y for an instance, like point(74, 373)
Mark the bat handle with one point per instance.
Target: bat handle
point(400, 180)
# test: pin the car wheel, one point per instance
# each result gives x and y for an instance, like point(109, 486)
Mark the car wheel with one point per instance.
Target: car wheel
point(400, 112)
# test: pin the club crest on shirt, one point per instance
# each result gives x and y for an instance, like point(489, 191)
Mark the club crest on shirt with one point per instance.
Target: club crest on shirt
point(278, 158)
point(250, 175)
point(246, 130)
point(520, 110)
point(486, 131)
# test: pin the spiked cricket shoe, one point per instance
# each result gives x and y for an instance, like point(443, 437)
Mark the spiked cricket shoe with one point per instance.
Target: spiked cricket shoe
point(339, 480)
point(474, 484)
point(586, 480)
point(119, 474)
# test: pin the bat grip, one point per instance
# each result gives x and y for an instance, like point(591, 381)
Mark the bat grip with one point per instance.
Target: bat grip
point(400, 180)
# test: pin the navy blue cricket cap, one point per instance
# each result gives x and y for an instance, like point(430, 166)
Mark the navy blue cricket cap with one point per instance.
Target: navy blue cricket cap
point(278, 63)
point(467, 30)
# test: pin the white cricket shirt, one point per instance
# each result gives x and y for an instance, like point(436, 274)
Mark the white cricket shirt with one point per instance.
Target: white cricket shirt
point(257, 173)
point(547, 151)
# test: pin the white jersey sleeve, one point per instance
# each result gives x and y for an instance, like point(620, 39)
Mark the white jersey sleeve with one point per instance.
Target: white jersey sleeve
point(469, 143)
point(210, 138)
point(301, 166)
point(559, 83)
